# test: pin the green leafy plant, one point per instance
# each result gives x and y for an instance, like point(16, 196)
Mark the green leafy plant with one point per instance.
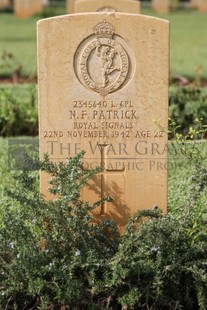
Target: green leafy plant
point(186, 105)
point(51, 251)
point(18, 111)
point(9, 64)
point(161, 262)
point(158, 267)
point(54, 256)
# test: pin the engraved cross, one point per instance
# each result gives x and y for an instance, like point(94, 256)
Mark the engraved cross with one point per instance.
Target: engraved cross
point(104, 172)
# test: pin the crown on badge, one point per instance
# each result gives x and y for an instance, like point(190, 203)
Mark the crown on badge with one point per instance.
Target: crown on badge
point(104, 30)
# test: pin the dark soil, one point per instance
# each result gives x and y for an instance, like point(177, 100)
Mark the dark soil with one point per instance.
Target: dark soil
point(175, 80)
point(19, 80)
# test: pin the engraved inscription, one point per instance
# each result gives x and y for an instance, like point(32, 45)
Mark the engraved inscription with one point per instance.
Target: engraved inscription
point(102, 61)
point(108, 119)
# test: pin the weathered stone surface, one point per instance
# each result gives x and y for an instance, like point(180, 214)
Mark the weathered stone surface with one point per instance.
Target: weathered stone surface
point(126, 6)
point(103, 88)
point(161, 6)
point(70, 6)
point(202, 6)
point(193, 3)
point(4, 4)
point(46, 2)
point(25, 8)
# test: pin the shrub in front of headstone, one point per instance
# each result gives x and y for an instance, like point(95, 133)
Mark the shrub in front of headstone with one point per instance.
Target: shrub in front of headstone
point(51, 251)
point(161, 260)
point(160, 265)
point(53, 255)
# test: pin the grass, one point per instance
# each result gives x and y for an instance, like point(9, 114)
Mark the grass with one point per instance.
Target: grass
point(4, 173)
point(18, 37)
point(188, 47)
point(188, 41)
